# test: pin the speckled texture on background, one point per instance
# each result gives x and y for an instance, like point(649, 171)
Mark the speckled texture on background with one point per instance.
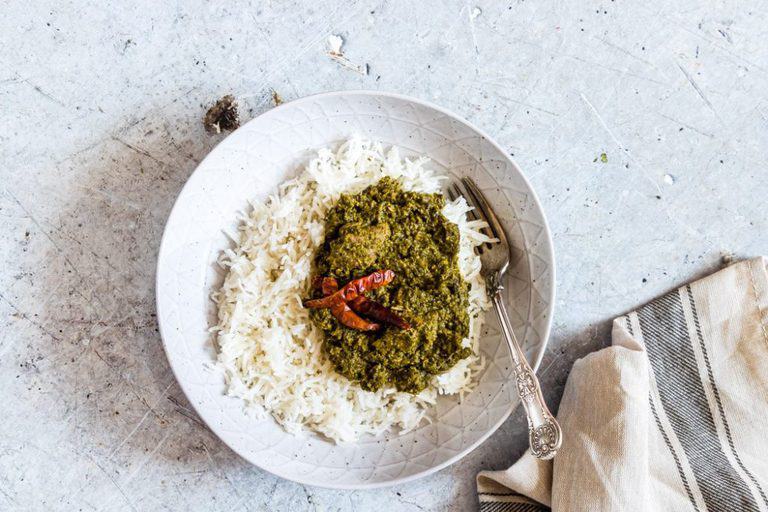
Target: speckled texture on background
point(100, 105)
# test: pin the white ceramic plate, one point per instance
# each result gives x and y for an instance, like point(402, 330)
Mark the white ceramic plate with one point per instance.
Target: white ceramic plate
point(249, 164)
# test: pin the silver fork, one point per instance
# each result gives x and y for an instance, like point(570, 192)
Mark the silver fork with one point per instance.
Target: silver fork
point(544, 434)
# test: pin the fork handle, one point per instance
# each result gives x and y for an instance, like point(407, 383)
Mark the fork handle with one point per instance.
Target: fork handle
point(544, 434)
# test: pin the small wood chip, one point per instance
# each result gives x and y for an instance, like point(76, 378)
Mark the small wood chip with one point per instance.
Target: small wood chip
point(222, 116)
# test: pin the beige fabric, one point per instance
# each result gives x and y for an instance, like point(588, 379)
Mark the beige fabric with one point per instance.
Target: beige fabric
point(673, 416)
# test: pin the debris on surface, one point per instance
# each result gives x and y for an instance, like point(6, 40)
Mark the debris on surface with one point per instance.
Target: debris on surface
point(276, 98)
point(726, 259)
point(222, 116)
point(604, 158)
point(335, 43)
point(473, 14)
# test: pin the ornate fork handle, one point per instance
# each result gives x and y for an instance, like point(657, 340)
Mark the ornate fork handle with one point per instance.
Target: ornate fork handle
point(544, 432)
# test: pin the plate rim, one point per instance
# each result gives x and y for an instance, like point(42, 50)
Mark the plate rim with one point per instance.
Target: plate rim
point(551, 289)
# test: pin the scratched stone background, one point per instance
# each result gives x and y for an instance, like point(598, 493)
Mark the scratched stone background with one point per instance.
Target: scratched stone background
point(100, 105)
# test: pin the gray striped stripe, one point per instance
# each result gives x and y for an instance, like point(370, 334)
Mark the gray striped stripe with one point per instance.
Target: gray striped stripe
point(500, 506)
point(716, 392)
point(666, 437)
point(682, 395)
point(686, 485)
point(520, 504)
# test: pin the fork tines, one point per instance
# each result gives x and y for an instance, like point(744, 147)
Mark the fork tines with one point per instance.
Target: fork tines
point(481, 209)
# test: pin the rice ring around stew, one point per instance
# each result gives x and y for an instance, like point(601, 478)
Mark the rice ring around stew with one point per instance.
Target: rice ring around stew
point(271, 353)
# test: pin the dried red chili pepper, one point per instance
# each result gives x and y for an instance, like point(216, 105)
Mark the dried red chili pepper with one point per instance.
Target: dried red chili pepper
point(347, 317)
point(353, 289)
point(344, 302)
point(326, 285)
point(373, 309)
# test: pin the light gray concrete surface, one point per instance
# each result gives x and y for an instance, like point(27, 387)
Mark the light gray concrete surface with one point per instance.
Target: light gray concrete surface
point(100, 105)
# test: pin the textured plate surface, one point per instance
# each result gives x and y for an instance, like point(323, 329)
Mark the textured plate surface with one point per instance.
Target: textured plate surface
point(249, 164)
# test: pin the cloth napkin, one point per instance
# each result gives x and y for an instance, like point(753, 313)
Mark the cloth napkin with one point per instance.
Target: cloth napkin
point(672, 416)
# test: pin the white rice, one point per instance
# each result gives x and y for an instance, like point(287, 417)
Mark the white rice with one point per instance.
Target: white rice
point(269, 350)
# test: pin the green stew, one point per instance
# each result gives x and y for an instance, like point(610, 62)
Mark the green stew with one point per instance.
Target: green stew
point(385, 227)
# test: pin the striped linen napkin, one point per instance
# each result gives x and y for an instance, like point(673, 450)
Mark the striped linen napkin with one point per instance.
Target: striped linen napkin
point(673, 416)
